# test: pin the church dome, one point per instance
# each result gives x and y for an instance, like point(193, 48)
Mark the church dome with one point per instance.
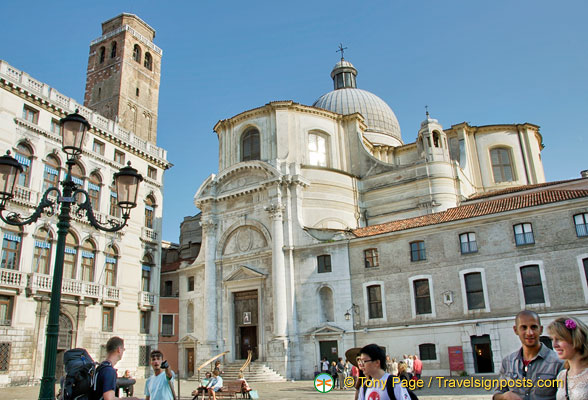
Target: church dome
point(347, 99)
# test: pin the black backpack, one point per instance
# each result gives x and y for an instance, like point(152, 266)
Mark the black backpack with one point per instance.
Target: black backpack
point(80, 375)
point(390, 390)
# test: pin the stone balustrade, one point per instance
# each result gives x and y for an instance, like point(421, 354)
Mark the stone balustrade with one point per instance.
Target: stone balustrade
point(148, 235)
point(12, 279)
point(147, 299)
point(43, 283)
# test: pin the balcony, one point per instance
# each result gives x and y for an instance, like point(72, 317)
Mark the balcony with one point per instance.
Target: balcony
point(148, 235)
point(40, 283)
point(24, 195)
point(13, 279)
point(147, 300)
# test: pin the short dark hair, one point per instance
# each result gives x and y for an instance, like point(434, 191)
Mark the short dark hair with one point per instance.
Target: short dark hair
point(156, 353)
point(114, 343)
point(527, 313)
point(375, 352)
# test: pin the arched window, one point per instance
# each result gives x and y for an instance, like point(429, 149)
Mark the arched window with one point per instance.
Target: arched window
point(326, 302)
point(317, 150)
point(250, 145)
point(78, 175)
point(114, 210)
point(94, 185)
point(113, 50)
point(64, 340)
point(51, 174)
point(501, 165)
point(146, 267)
point(11, 249)
point(149, 211)
point(137, 53)
point(148, 61)
point(111, 266)
point(88, 261)
point(190, 318)
point(101, 54)
point(24, 155)
point(70, 257)
point(436, 141)
point(42, 252)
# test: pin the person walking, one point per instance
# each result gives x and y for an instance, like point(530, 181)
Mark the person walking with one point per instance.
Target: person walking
point(417, 366)
point(106, 374)
point(340, 373)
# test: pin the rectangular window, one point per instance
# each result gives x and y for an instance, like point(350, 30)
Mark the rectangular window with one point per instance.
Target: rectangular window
point(532, 286)
point(375, 301)
point(4, 356)
point(146, 277)
point(422, 296)
point(10, 251)
point(167, 325)
point(468, 243)
point(523, 234)
point(371, 258)
point(324, 263)
point(145, 321)
point(6, 306)
point(474, 291)
point(581, 222)
point(119, 157)
point(190, 284)
point(417, 251)
point(30, 114)
point(427, 351)
point(107, 319)
point(317, 150)
point(144, 356)
point(98, 147)
point(168, 288)
point(54, 127)
point(152, 173)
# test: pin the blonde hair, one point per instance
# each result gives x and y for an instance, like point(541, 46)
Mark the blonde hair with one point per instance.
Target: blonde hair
point(401, 367)
point(577, 337)
point(240, 376)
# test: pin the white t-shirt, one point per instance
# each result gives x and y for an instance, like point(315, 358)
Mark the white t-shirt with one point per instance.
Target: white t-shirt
point(377, 392)
point(157, 387)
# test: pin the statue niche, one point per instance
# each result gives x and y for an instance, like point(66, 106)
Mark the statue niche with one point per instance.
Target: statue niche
point(244, 239)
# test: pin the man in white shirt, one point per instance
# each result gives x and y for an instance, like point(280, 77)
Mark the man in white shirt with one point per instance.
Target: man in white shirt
point(372, 361)
point(160, 385)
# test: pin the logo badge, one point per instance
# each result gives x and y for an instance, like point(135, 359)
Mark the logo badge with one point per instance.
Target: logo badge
point(323, 383)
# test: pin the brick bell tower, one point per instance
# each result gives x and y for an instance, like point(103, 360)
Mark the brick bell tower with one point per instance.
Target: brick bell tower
point(124, 71)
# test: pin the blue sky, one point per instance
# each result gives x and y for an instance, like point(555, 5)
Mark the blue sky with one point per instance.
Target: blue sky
point(482, 62)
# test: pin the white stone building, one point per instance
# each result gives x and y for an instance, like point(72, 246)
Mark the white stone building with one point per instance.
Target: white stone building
point(295, 263)
point(110, 280)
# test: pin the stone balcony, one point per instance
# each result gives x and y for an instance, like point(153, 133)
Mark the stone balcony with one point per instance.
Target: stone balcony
point(148, 235)
point(147, 300)
point(12, 279)
point(41, 283)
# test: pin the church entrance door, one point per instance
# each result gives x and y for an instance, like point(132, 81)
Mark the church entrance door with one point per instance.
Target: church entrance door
point(190, 362)
point(482, 354)
point(246, 321)
point(329, 349)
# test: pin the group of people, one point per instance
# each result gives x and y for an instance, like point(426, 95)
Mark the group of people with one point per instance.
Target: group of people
point(533, 372)
point(213, 383)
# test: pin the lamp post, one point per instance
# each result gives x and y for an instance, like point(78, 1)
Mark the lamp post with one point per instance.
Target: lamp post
point(73, 128)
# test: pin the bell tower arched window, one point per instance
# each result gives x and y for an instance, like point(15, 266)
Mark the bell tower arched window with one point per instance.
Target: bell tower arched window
point(101, 54)
point(250, 145)
point(148, 61)
point(113, 50)
point(137, 53)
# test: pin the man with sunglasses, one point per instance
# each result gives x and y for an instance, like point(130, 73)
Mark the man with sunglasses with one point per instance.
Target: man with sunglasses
point(378, 384)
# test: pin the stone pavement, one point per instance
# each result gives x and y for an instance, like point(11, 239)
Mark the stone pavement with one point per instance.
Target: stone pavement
point(285, 391)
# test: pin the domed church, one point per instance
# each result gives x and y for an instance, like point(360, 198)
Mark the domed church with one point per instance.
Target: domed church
point(323, 229)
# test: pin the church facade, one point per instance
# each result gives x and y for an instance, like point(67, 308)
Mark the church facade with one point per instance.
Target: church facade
point(323, 230)
point(111, 280)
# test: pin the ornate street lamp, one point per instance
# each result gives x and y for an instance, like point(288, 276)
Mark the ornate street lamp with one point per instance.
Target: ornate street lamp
point(73, 128)
point(355, 308)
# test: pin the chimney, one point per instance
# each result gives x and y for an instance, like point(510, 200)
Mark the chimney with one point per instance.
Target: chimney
point(584, 173)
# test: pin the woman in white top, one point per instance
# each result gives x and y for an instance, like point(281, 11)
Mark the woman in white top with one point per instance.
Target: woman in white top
point(570, 342)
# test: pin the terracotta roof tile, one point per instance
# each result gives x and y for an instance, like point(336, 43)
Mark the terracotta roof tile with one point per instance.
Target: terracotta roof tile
point(173, 266)
point(518, 189)
point(474, 210)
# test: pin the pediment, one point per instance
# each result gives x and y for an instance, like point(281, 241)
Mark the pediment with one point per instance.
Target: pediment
point(188, 339)
point(327, 330)
point(243, 240)
point(242, 179)
point(244, 273)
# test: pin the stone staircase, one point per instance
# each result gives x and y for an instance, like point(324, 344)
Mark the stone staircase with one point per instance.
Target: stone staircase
point(256, 372)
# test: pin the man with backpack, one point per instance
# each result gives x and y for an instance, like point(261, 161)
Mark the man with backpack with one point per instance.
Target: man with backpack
point(105, 385)
point(380, 386)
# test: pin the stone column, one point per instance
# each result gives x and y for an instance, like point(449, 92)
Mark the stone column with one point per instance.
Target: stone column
point(209, 232)
point(278, 270)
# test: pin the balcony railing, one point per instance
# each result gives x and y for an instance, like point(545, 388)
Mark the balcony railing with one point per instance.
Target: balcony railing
point(147, 299)
point(43, 283)
point(148, 234)
point(12, 279)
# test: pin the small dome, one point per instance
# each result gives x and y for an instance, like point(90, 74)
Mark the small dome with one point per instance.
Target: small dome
point(379, 117)
point(347, 99)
